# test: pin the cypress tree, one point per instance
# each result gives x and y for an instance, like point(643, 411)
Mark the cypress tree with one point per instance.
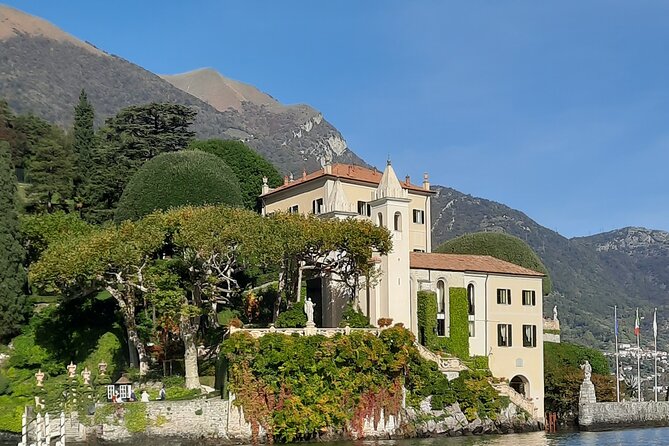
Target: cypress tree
point(84, 138)
point(14, 306)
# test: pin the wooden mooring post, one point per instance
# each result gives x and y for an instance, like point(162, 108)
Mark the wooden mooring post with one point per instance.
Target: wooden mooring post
point(551, 422)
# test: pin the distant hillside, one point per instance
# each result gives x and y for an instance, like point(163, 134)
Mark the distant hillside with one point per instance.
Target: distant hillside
point(44, 69)
point(628, 267)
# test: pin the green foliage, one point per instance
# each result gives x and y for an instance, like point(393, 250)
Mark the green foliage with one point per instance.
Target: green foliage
point(354, 317)
point(83, 140)
point(132, 137)
point(14, 306)
point(11, 411)
point(39, 231)
point(51, 175)
point(563, 377)
point(248, 165)
point(295, 386)
point(458, 342)
point(135, 416)
point(499, 245)
point(293, 317)
point(178, 179)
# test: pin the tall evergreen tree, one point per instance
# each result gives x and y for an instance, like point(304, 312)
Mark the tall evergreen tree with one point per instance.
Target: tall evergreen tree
point(51, 174)
point(14, 305)
point(84, 138)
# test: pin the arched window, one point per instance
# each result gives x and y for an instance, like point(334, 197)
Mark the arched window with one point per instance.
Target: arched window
point(397, 221)
point(379, 219)
point(470, 298)
point(441, 308)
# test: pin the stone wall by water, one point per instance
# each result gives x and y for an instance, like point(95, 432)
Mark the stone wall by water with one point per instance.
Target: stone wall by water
point(603, 416)
point(215, 421)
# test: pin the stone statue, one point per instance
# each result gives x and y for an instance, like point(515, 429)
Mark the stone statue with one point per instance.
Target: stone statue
point(555, 313)
point(39, 376)
point(71, 370)
point(86, 374)
point(587, 370)
point(309, 310)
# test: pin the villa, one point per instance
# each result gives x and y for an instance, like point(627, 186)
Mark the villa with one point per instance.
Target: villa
point(505, 301)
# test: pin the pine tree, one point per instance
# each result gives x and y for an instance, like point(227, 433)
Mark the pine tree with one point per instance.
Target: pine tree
point(51, 174)
point(84, 139)
point(14, 306)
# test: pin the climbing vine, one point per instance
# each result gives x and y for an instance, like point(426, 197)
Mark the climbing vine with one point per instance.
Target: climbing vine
point(297, 387)
point(457, 343)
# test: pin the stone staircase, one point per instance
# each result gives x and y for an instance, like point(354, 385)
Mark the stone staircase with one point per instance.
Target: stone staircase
point(451, 366)
point(517, 399)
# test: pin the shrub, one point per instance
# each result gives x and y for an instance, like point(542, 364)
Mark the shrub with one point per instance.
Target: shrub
point(502, 246)
point(354, 318)
point(248, 165)
point(294, 317)
point(178, 179)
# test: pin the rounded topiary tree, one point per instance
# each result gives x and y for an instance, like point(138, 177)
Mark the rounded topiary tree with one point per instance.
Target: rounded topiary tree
point(502, 246)
point(249, 166)
point(178, 179)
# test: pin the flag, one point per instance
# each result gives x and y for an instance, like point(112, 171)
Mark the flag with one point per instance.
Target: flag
point(637, 330)
point(615, 316)
point(655, 324)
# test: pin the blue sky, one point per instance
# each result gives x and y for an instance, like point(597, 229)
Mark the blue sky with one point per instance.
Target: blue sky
point(559, 109)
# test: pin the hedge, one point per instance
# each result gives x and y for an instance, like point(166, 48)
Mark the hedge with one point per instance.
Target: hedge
point(178, 179)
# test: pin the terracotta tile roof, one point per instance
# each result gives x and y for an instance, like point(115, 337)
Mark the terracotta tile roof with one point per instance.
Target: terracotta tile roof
point(466, 262)
point(346, 172)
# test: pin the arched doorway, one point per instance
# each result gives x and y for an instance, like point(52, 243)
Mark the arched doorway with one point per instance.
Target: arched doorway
point(521, 385)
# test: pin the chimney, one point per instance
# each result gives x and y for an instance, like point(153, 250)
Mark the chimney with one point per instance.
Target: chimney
point(285, 180)
point(426, 181)
point(407, 180)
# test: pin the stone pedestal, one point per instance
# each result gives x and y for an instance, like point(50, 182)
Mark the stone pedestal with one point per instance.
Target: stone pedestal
point(310, 329)
point(587, 394)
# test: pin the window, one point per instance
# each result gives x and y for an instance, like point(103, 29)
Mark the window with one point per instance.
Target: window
point(397, 221)
point(529, 335)
point(471, 329)
point(418, 216)
point(317, 206)
point(293, 209)
point(504, 335)
point(470, 298)
point(529, 297)
point(441, 308)
point(503, 296)
point(379, 219)
point(364, 209)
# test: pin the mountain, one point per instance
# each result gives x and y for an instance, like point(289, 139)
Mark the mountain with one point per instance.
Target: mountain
point(628, 267)
point(44, 69)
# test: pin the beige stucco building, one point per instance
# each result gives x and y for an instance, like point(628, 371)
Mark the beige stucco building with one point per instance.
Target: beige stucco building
point(505, 300)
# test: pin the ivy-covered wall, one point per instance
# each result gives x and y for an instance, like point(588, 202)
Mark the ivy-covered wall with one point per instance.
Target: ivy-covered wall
point(458, 342)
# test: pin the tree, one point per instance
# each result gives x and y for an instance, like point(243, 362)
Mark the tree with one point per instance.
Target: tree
point(114, 259)
point(248, 165)
point(178, 179)
point(51, 174)
point(41, 230)
point(502, 246)
point(14, 306)
point(84, 139)
point(145, 131)
point(135, 135)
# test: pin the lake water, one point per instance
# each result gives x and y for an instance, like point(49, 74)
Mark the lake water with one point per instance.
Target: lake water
point(629, 437)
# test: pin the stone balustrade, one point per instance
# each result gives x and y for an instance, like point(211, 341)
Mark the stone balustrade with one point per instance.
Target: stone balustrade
point(306, 331)
point(517, 399)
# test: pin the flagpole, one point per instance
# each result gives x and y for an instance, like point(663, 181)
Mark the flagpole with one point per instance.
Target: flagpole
point(655, 335)
point(615, 316)
point(638, 357)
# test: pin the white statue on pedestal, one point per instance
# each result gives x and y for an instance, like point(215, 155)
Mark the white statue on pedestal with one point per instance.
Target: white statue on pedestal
point(309, 311)
point(555, 313)
point(587, 370)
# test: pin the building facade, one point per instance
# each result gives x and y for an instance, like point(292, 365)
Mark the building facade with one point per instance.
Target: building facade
point(505, 300)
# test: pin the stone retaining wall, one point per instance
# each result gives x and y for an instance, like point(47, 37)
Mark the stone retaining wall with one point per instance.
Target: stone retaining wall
point(605, 416)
